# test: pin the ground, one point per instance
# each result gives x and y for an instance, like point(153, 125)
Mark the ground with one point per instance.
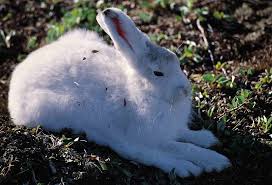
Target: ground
point(225, 48)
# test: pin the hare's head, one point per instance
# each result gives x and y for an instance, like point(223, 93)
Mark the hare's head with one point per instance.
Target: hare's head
point(158, 65)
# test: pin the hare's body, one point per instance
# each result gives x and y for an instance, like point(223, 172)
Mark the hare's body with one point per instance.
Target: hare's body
point(137, 101)
point(89, 87)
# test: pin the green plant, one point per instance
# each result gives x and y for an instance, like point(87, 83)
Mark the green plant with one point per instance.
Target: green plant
point(210, 111)
point(145, 17)
point(209, 77)
point(219, 65)
point(246, 72)
point(163, 3)
point(158, 37)
point(146, 4)
point(241, 97)
point(32, 43)
point(201, 13)
point(219, 80)
point(66, 141)
point(265, 123)
point(266, 79)
point(190, 51)
point(189, 8)
point(190, 3)
point(78, 17)
point(220, 15)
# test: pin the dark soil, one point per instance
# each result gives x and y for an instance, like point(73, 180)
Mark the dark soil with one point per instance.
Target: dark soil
point(241, 42)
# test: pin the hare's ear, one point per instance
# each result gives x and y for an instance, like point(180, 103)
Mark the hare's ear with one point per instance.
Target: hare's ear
point(127, 38)
point(157, 54)
point(160, 51)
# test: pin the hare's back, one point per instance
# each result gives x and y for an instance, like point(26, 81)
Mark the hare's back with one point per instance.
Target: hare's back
point(64, 78)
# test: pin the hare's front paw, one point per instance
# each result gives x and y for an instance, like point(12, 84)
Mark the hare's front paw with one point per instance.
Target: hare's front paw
point(211, 160)
point(203, 138)
point(182, 168)
point(158, 157)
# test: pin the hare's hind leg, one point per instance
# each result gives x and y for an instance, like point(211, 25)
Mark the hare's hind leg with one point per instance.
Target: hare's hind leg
point(204, 158)
point(203, 138)
point(154, 156)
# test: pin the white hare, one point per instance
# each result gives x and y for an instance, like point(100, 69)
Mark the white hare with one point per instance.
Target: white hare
point(133, 98)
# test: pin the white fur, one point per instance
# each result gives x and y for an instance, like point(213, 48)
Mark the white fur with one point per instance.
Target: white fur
point(114, 96)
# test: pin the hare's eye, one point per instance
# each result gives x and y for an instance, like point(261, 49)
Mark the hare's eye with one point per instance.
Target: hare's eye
point(158, 73)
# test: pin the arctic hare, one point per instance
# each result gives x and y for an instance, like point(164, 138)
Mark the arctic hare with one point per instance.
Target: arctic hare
point(133, 98)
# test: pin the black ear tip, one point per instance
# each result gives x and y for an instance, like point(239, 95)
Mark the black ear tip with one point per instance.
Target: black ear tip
point(106, 12)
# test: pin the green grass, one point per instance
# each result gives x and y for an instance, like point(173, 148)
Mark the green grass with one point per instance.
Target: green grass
point(82, 16)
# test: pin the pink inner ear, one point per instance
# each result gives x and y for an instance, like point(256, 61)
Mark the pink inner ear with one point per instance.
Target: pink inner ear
point(120, 31)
